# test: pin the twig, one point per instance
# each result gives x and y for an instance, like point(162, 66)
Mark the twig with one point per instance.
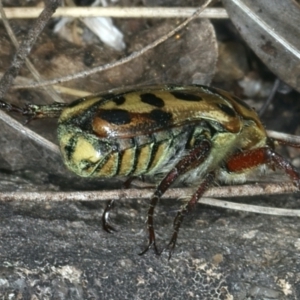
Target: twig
point(26, 45)
point(251, 208)
point(226, 191)
point(122, 61)
point(57, 88)
point(290, 139)
point(270, 97)
point(29, 133)
point(50, 90)
point(117, 12)
point(11, 73)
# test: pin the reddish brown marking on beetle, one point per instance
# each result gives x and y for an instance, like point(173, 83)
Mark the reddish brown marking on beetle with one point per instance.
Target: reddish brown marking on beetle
point(110, 123)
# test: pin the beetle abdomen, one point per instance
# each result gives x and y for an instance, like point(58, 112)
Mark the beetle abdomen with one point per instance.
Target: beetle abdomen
point(90, 156)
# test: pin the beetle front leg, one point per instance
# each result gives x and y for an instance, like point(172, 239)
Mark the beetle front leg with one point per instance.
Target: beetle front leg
point(10, 107)
point(195, 157)
point(288, 168)
point(265, 155)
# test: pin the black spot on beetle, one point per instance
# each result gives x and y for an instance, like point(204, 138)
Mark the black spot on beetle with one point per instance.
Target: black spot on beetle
point(69, 148)
point(76, 102)
point(153, 100)
point(119, 100)
point(227, 110)
point(83, 121)
point(160, 117)
point(107, 96)
point(186, 96)
point(115, 116)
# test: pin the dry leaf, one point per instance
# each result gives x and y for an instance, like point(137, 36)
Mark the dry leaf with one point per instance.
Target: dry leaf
point(271, 29)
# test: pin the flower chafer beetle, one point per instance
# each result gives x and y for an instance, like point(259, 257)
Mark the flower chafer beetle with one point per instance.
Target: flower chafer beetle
point(182, 134)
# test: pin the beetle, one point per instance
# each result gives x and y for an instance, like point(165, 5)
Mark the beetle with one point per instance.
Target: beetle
point(183, 134)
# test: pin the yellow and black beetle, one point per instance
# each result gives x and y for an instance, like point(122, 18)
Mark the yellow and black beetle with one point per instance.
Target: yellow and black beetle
point(192, 134)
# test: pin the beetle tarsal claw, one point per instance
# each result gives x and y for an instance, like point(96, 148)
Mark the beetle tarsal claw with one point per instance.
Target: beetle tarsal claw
point(105, 218)
point(152, 244)
point(169, 248)
point(108, 228)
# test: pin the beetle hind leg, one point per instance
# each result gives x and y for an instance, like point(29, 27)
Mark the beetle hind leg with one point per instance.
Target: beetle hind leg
point(150, 227)
point(194, 158)
point(207, 181)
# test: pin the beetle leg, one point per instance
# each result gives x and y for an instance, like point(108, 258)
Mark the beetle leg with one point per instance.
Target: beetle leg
point(249, 159)
point(288, 168)
point(10, 107)
point(110, 205)
point(195, 157)
point(127, 182)
point(105, 217)
point(207, 181)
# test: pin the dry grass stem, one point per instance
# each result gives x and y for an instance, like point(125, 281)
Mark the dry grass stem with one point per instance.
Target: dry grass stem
point(226, 191)
point(290, 139)
point(116, 12)
point(28, 132)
